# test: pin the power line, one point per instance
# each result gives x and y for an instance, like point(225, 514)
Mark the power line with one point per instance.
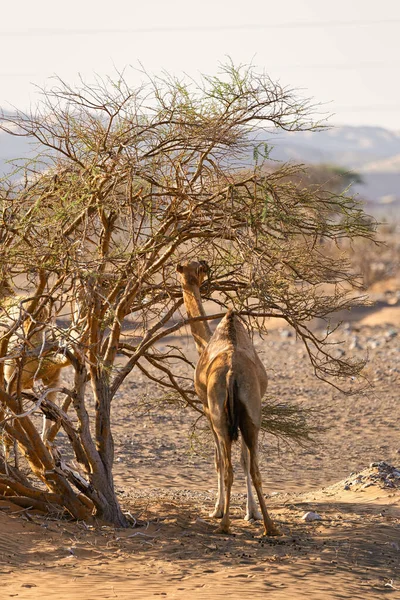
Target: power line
point(338, 67)
point(366, 107)
point(199, 28)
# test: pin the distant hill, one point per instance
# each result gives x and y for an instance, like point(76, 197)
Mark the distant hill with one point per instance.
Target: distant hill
point(12, 147)
point(384, 165)
point(374, 152)
point(347, 146)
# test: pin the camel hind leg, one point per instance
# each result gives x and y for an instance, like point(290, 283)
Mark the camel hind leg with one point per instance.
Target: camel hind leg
point(269, 527)
point(226, 445)
point(218, 511)
point(252, 512)
point(250, 435)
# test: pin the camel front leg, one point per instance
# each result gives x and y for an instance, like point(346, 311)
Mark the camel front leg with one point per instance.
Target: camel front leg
point(218, 511)
point(252, 512)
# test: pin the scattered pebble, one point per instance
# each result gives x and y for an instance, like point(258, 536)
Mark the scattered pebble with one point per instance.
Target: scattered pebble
point(286, 333)
point(355, 343)
point(373, 343)
point(391, 333)
point(378, 473)
point(311, 516)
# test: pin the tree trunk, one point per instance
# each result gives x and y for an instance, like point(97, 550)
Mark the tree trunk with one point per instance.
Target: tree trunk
point(107, 505)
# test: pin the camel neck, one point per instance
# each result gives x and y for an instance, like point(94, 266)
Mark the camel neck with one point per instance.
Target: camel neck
point(194, 307)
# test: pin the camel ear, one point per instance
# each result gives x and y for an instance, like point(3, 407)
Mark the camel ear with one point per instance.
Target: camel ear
point(179, 268)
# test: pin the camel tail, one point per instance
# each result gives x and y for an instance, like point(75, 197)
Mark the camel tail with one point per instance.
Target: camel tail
point(231, 406)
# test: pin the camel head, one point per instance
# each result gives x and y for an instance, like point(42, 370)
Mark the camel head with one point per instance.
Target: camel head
point(193, 273)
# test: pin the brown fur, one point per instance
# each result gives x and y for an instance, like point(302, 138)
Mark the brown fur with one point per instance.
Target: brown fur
point(230, 380)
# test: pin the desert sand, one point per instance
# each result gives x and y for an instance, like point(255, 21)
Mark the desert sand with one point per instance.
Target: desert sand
point(165, 478)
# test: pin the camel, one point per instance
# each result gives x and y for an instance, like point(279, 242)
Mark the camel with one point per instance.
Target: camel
point(230, 380)
point(46, 368)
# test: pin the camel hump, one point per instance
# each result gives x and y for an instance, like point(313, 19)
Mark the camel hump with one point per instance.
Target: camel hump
point(232, 331)
point(231, 326)
point(227, 329)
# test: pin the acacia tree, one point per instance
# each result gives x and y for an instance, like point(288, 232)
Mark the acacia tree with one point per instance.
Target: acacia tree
point(127, 183)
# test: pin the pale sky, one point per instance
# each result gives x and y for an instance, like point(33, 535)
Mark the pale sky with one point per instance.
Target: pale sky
point(345, 53)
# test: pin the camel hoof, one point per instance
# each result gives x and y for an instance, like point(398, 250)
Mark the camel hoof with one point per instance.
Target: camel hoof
point(224, 530)
point(218, 513)
point(272, 531)
point(253, 516)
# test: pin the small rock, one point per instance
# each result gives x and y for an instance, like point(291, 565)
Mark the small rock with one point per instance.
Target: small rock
point(395, 545)
point(311, 516)
point(373, 343)
point(286, 333)
point(355, 344)
point(347, 487)
point(391, 333)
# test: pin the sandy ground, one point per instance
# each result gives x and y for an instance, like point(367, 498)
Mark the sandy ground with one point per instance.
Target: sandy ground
point(165, 478)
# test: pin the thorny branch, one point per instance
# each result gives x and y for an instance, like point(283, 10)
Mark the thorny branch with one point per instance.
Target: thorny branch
point(127, 183)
